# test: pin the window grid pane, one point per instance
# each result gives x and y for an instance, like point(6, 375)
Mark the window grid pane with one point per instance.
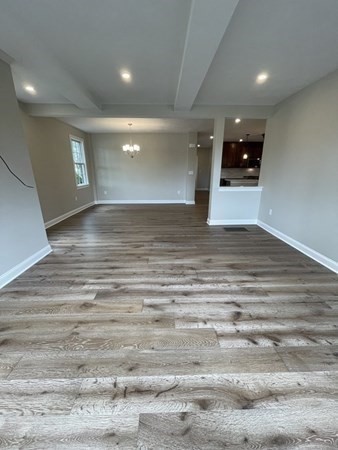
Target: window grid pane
point(77, 154)
point(80, 174)
point(79, 160)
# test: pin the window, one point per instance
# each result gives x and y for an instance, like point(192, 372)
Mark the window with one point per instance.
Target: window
point(79, 159)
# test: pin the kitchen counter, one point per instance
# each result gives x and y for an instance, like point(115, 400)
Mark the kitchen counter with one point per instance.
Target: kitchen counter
point(232, 182)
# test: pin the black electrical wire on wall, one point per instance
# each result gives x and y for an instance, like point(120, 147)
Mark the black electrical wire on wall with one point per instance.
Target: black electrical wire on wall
point(11, 171)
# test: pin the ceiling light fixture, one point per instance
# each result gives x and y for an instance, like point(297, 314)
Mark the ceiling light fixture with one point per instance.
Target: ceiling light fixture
point(198, 145)
point(262, 77)
point(131, 149)
point(237, 120)
point(125, 75)
point(29, 88)
point(241, 140)
point(211, 137)
point(246, 156)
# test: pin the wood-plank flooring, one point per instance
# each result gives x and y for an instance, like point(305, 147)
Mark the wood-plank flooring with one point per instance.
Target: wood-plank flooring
point(148, 329)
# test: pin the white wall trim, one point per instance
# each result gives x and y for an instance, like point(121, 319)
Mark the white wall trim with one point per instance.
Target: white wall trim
point(52, 222)
point(313, 254)
point(190, 202)
point(23, 266)
point(231, 221)
point(137, 202)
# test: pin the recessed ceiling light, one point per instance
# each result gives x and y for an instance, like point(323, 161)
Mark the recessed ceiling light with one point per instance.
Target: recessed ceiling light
point(262, 77)
point(29, 88)
point(211, 137)
point(125, 75)
point(237, 120)
point(198, 145)
point(241, 140)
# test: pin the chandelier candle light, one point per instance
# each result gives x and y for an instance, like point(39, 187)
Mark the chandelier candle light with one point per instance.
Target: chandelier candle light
point(131, 149)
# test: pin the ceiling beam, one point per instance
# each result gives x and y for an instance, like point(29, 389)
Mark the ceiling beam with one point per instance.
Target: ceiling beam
point(8, 59)
point(208, 22)
point(27, 51)
point(149, 111)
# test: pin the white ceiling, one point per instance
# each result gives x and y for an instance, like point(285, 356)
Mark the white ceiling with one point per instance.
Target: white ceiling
point(139, 125)
point(188, 58)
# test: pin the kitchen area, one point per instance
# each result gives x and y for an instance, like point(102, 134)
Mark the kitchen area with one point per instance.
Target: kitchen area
point(241, 162)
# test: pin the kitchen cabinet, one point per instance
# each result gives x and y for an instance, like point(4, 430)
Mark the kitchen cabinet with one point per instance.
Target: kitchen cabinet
point(233, 153)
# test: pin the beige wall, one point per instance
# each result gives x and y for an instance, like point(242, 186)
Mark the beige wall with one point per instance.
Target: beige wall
point(22, 233)
point(49, 147)
point(204, 168)
point(158, 173)
point(299, 171)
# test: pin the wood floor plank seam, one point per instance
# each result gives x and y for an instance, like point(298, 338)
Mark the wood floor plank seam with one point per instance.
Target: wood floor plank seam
point(13, 368)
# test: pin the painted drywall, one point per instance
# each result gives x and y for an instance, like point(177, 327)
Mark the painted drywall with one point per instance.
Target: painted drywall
point(216, 164)
point(300, 168)
point(237, 205)
point(204, 167)
point(22, 233)
point(191, 169)
point(49, 146)
point(158, 173)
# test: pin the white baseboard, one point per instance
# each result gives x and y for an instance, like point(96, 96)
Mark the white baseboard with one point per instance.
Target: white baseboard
point(231, 222)
point(23, 266)
point(52, 222)
point(138, 202)
point(190, 202)
point(313, 254)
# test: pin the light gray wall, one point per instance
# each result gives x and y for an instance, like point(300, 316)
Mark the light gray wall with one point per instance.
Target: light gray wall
point(233, 205)
point(158, 173)
point(299, 171)
point(191, 168)
point(50, 151)
point(22, 232)
point(204, 167)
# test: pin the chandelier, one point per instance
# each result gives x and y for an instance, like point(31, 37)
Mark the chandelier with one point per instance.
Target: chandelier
point(131, 149)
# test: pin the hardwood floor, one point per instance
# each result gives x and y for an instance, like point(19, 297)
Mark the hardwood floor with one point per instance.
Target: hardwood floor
point(148, 329)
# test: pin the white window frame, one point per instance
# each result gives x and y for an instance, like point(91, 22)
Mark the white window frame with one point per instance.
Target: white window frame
point(83, 162)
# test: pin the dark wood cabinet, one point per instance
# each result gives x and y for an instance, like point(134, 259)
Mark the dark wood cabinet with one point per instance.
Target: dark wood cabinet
point(233, 153)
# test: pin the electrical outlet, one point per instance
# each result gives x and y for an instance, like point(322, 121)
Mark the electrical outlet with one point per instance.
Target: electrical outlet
point(105, 192)
point(270, 212)
point(76, 198)
point(178, 192)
